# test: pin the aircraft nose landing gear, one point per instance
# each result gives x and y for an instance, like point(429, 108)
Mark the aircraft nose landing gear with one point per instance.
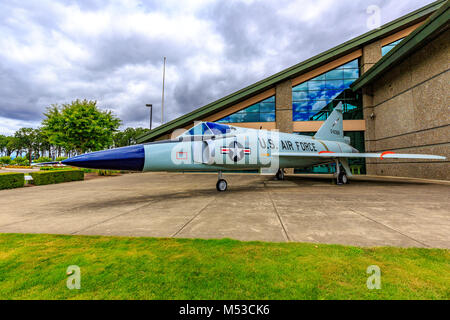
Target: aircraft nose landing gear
point(221, 184)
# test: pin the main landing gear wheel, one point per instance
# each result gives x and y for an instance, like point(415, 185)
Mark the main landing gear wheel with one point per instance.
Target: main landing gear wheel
point(340, 175)
point(280, 174)
point(221, 185)
point(342, 178)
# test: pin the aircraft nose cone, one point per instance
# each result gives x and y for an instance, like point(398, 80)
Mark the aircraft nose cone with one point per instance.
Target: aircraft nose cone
point(126, 158)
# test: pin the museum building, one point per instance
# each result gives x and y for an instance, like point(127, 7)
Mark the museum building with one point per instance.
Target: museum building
point(394, 85)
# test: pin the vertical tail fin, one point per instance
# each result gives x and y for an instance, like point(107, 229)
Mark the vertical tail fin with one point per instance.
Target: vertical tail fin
point(332, 129)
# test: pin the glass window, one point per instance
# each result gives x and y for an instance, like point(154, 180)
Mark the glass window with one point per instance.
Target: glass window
point(316, 85)
point(263, 111)
point(299, 95)
point(310, 134)
point(252, 109)
point(385, 49)
point(315, 99)
point(301, 87)
point(335, 84)
point(300, 105)
point(351, 73)
point(350, 65)
point(335, 74)
point(267, 117)
point(267, 108)
point(321, 77)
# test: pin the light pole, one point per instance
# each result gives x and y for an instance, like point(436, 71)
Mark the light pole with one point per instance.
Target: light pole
point(149, 105)
point(162, 98)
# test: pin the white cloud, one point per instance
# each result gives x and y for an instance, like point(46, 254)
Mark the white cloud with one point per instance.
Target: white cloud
point(9, 126)
point(307, 10)
point(55, 52)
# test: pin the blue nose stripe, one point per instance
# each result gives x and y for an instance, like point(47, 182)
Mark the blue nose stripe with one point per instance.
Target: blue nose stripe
point(126, 158)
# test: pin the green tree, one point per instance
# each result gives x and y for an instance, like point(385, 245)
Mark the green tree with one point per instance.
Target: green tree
point(128, 136)
point(80, 126)
point(42, 142)
point(11, 145)
point(3, 143)
point(26, 139)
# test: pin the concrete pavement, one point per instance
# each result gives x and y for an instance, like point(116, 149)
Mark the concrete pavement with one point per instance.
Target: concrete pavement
point(363, 213)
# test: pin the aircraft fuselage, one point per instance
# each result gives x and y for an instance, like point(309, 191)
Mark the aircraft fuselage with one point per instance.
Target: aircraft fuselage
point(252, 149)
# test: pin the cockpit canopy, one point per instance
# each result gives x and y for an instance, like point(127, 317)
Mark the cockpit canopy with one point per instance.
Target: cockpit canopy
point(209, 129)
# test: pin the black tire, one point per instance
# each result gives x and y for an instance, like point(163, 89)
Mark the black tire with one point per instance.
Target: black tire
point(342, 179)
point(280, 174)
point(221, 185)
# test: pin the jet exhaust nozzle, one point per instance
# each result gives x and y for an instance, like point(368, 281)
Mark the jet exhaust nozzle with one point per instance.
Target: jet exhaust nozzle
point(125, 158)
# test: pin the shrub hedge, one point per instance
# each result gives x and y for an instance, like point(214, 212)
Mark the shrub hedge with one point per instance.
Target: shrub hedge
point(9, 180)
point(54, 168)
point(5, 160)
point(43, 159)
point(50, 177)
point(21, 161)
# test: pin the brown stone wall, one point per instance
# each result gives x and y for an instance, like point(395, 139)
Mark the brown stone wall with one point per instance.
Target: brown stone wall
point(370, 55)
point(283, 110)
point(283, 106)
point(411, 104)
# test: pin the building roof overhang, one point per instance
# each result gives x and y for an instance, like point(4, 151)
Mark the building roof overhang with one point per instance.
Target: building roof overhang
point(294, 71)
point(435, 25)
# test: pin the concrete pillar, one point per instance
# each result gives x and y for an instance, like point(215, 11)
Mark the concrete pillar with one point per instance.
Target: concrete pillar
point(283, 106)
point(283, 110)
point(369, 117)
point(371, 53)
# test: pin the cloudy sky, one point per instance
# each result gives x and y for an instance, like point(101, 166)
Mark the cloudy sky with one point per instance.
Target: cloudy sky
point(112, 51)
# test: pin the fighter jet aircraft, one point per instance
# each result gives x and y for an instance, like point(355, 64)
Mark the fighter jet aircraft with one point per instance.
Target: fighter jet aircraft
point(210, 146)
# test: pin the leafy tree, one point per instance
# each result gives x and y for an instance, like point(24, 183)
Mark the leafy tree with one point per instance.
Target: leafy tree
point(8, 145)
point(128, 136)
point(11, 145)
point(80, 126)
point(3, 143)
point(42, 142)
point(53, 126)
point(26, 139)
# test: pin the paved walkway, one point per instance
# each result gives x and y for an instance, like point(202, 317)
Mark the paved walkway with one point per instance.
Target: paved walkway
point(18, 170)
point(364, 213)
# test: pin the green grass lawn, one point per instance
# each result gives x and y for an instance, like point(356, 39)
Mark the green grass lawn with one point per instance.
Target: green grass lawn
point(34, 267)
